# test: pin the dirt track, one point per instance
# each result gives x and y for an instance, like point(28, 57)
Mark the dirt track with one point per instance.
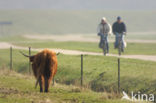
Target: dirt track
point(80, 38)
point(4, 45)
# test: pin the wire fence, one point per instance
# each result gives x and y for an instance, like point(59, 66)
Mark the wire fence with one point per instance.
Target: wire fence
point(81, 67)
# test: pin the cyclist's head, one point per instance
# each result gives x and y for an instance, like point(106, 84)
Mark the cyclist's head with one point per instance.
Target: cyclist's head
point(103, 20)
point(119, 19)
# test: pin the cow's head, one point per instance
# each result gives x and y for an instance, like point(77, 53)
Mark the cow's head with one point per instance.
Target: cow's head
point(31, 58)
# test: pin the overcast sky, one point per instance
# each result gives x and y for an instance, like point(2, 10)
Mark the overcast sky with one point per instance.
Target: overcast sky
point(79, 4)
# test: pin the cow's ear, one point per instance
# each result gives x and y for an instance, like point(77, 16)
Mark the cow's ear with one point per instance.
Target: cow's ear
point(31, 58)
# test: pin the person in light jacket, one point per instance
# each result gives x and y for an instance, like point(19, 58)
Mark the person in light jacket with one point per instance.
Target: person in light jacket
point(103, 30)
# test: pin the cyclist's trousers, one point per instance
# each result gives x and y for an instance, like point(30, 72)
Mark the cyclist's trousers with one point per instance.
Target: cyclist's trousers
point(117, 38)
point(102, 39)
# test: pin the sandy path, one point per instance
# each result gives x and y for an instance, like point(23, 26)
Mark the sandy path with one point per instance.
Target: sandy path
point(4, 45)
point(80, 38)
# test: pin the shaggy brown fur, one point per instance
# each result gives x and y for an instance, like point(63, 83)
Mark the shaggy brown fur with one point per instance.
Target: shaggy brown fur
point(44, 66)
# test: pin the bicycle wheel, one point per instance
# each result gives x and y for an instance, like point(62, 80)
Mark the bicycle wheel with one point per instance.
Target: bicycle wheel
point(119, 47)
point(104, 48)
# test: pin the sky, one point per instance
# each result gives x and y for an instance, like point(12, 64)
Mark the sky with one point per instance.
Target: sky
point(79, 4)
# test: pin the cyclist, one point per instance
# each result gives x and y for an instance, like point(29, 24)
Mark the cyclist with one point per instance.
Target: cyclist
point(104, 28)
point(119, 28)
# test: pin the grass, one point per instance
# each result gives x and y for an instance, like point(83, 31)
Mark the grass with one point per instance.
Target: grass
point(100, 73)
point(16, 38)
point(20, 63)
point(17, 88)
point(132, 48)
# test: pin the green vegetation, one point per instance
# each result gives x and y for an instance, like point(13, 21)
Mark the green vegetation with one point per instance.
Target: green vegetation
point(20, 63)
point(17, 88)
point(144, 36)
point(15, 38)
point(132, 48)
point(100, 73)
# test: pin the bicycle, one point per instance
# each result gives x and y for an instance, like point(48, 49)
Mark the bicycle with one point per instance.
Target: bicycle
point(120, 44)
point(104, 44)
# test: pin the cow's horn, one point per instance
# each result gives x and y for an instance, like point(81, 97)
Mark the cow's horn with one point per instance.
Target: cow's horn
point(25, 54)
point(58, 53)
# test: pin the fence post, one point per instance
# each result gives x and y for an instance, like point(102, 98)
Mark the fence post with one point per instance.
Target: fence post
point(10, 58)
point(81, 69)
point(119, 75)
point(29, 60)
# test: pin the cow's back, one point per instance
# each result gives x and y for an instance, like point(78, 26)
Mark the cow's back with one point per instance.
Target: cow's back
point(50, 63)
point(45, 63)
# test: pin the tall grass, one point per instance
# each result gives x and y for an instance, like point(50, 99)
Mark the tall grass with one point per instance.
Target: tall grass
point(100, 73)
point(18, 88)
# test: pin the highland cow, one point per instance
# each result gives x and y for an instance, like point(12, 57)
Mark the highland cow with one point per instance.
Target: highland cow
point(44, 66)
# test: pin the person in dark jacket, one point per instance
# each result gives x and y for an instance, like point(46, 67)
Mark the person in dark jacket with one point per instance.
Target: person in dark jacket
point(119, 28)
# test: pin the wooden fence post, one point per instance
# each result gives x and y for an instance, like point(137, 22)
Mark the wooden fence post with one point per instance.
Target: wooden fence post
point(119, 75)
point(29, 60)
point(81, 69)
point(10, 58)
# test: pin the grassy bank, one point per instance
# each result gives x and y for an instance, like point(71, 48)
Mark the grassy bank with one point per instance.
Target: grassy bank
point(17, 88)
point(100, 73)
